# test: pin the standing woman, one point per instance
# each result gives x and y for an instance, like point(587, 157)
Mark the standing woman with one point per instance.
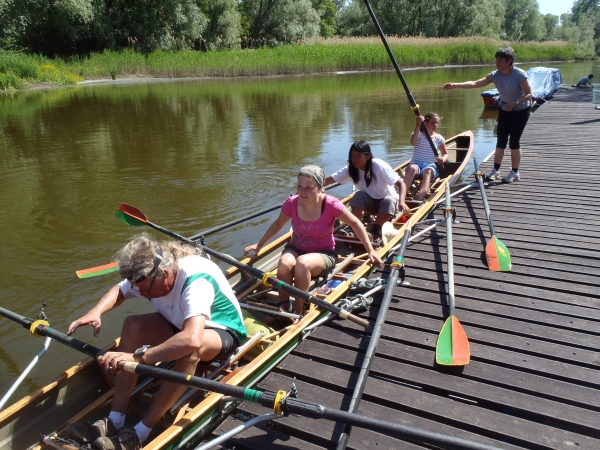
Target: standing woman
point(375, 180)
point(311, 250)
point(516, 94)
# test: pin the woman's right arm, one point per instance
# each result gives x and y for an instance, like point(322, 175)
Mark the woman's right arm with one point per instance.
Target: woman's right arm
point(112, 299)
point(469, 84)
point(275, 228)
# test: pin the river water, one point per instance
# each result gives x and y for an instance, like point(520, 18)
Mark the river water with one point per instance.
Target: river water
point(191, 154)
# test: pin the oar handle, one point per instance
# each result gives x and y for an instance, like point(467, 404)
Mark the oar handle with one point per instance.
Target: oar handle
point(411, 99)
point(47, 331)
point(479, 177)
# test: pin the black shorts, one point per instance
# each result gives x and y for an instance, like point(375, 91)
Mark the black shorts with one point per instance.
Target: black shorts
point(228, 342)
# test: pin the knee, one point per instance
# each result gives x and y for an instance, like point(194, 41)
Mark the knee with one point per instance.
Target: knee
point(132, 326)
point(302, 265)
point(287, 262)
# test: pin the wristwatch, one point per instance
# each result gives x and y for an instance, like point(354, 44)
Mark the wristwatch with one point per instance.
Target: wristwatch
point(140, 352)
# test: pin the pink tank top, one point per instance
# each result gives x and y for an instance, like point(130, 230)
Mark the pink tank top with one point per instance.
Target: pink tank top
point(317, 236)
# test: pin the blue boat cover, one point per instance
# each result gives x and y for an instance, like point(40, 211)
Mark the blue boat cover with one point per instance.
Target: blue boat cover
point(544, 81)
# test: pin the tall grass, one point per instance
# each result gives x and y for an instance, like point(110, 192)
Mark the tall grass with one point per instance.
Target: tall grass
point(18, 70)
point(316, 55)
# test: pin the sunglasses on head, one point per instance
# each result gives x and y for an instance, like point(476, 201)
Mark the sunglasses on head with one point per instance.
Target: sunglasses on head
point(157, 259)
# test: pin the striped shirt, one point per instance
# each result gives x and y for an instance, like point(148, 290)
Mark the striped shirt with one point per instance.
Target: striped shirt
point(423, 153)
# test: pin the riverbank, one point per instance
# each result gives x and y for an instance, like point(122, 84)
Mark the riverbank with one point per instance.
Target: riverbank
point(19, 71)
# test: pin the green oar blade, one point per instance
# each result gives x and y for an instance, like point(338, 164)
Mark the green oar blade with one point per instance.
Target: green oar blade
point(129, 220)
point(443, 348)
point(452, 348)
point(497, 255)
point(97, 271)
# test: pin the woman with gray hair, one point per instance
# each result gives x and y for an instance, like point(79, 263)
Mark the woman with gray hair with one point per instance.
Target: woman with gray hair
point(198, 319)
point(311, 250)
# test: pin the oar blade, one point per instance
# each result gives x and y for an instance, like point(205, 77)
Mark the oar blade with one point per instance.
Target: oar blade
point(497, 255)
point(128, 217)
point(452, 348)
point(131, 215)
point(443, 348)
point(97, 271)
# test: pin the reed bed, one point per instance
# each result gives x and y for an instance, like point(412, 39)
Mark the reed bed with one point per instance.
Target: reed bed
point(312, 56)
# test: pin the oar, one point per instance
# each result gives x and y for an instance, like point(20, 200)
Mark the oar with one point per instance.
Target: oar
point(397, 269)
point(283, 403)
point(96, 271)
point(42, 328)
point(411, 99)
point(133, 216)
point(496, 253)
point(452, 348)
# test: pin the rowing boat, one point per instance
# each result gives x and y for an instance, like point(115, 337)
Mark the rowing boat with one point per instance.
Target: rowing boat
point(84, 393)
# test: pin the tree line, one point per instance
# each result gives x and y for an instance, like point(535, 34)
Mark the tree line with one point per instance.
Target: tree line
point(77, 27)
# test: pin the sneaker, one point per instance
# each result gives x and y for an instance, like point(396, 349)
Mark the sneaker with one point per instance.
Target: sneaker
point(85, 432)
point(126, 439)
point(512, 176)
point(493, 176)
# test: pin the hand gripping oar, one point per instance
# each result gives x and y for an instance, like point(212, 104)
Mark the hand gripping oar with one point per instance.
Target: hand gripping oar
point(411, 99)
point(496, 253)
point(42, 328)
point(284, 403)
point(133, 216)
point(452, 348)
point(397, 267)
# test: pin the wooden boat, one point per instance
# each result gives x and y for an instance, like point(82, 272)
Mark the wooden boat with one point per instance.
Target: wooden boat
point(84, 393)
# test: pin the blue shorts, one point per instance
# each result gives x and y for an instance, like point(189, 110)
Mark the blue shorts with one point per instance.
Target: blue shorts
point(422, 167)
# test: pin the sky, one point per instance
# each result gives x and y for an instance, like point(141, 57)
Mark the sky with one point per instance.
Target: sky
point(556, 7)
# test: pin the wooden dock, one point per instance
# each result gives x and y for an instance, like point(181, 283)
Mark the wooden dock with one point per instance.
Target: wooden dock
point(533, 380)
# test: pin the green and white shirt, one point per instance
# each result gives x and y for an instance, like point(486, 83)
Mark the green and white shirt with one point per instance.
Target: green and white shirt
point(200, 289)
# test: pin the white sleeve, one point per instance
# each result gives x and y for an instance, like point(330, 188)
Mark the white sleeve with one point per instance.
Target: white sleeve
point(342, 176)
point(197, 299)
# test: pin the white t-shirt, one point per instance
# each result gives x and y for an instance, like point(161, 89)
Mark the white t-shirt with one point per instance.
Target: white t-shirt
point(200, 289)
point(381, 186)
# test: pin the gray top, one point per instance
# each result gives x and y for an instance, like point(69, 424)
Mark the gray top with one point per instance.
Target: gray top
point(509, 86)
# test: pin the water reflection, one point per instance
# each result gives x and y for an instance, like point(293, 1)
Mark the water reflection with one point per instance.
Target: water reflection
point(191, 154)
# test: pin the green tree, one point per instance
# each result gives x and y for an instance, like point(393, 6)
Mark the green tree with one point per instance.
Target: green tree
point(326, 10)
point(523, 21)
point(224, 24)
point(271, 22)
point(487, 19)
point(551, 23)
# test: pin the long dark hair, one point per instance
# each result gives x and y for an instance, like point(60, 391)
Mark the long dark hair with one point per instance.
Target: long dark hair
point(364, 148)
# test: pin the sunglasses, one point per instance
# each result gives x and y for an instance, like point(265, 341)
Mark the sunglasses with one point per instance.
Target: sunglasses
point(157, 259)
point(136, 288)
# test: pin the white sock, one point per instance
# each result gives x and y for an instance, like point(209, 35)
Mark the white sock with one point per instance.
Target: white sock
point(142, 431)
point(118, 419)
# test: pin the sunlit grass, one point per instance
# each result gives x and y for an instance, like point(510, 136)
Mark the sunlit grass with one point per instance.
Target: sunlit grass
point(312, 56)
